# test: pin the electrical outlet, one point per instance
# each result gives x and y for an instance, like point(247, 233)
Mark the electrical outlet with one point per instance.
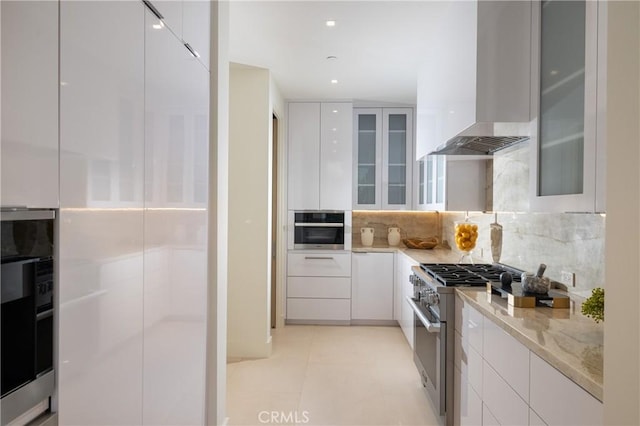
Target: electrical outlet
point(568, 278)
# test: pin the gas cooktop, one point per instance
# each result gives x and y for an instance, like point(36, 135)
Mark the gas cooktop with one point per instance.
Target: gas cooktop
point(451, 274)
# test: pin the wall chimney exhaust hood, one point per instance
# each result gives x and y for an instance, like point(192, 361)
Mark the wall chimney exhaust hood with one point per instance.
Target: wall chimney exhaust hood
point(493, 110)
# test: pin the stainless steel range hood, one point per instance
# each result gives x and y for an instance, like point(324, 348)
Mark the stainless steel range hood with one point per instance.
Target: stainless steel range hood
point(485, 139)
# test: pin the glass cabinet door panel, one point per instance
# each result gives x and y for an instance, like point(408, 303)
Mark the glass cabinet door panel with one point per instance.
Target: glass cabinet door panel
point(440, 178)
point(421, 182)
point(397, 155)
point(367, 137)
point(562, 98)
point(430, 180)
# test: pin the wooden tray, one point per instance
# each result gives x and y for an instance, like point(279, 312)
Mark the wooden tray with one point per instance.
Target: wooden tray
point(421, 243)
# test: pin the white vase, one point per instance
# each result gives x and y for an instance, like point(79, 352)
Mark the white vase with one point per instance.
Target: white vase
point(366, 236)
point(393, 236)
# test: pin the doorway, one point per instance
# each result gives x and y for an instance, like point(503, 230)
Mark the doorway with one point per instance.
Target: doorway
point(274, 220)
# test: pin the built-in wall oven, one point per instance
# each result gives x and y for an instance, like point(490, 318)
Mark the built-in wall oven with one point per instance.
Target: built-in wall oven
point(319, 229)
point(26, 310)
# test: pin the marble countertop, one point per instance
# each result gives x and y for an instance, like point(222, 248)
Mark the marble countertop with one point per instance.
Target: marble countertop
point(435, 255)
point(565, 338)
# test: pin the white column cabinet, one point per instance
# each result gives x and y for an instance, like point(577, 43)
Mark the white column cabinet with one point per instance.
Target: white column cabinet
point(196, 27)
point(29, 170)
point(101, 242)
point(372, 286)
point(568, 83)
point(319, 150)
point(383, 158)
point(175, 267)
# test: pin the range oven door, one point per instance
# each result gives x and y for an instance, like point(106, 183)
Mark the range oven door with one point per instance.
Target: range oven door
point(430, 343)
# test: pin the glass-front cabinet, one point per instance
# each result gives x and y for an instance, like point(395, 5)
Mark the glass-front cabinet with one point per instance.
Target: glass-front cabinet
point(567, 169)
point(383, 158)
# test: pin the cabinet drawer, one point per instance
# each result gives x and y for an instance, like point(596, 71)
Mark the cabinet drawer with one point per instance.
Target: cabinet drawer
point(508, 357)
point(319, 309)
point(469, 362)
point(467, 403)
point(319, 265)
point(500, 398)
point(548, 386)
point(319, 287)
point(469, 322)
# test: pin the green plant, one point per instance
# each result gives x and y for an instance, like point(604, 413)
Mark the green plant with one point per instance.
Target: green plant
point(594, 306)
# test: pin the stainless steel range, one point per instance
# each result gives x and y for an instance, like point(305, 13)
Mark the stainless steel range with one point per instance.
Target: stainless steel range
point(433, 305)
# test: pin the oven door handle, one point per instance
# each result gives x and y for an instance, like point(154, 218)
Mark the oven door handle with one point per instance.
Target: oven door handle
point(431, 327)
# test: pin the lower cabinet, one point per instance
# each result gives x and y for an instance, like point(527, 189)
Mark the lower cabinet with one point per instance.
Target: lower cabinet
point(501, 382)
point(372, 286)
point(404, 289)
point(318, 287)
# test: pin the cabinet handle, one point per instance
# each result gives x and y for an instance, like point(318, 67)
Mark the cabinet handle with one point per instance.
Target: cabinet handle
point(153, 9)
point(44, 315)
point(318, 258)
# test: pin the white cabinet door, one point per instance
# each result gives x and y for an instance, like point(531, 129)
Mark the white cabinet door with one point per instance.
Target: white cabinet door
point(336, 150)
point(325, 264)
point(319, 287)
point(503, 402)
point(102, 155)
point(196, 30)
point(406, 318)
point(467, 404)
point(311, 310)
point(29, 170)
point(397, 158)
point(565, 144)
point(304, 156)
point(548, 386)
point(176, 149)
point(372, 286)
point(367, 158)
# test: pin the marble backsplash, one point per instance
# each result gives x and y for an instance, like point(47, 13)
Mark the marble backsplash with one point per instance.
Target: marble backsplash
point(412, 224)
point(562, 241)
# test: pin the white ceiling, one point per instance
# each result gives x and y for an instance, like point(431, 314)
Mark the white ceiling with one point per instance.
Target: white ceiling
point(379, 46)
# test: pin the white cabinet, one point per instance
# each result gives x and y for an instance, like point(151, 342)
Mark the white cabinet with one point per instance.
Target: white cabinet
point(372, 286)
point(514, 385)
point(548, 386)
point(320, 150)
point(29, 170)
point(383, 158)
point(449, 183)
point(404, 290)
point(318, 287)
point(101, 263)
point(567, 161)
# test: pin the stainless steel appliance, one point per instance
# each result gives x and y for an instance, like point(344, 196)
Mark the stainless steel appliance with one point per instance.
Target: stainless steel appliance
point(319, 230)
point(433, 304)
point(27, 310)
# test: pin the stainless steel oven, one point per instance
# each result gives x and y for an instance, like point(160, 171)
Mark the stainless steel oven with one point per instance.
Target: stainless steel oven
point(430, 353)
point(317, 229)
point(26, 310)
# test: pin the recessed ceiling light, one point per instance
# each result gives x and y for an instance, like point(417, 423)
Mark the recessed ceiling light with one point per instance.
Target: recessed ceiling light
point(334, 81)
point(330, 23)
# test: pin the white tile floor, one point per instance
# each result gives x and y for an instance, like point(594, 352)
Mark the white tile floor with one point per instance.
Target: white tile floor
point(325, 375)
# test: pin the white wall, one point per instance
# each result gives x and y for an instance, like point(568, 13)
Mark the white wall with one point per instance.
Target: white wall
point(250, 154)
point(622, 323)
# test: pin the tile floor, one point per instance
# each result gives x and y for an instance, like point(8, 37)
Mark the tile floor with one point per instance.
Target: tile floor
point(330, 375)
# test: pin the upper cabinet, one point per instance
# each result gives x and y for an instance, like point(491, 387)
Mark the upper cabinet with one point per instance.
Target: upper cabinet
point(29, 170)
point(189, 21)
point(473, 93)
point(383, 158)
point(320, 150)
point(447, 183)
point(567, 84)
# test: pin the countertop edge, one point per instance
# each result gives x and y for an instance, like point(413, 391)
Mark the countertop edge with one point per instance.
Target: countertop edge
point(574, 374)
